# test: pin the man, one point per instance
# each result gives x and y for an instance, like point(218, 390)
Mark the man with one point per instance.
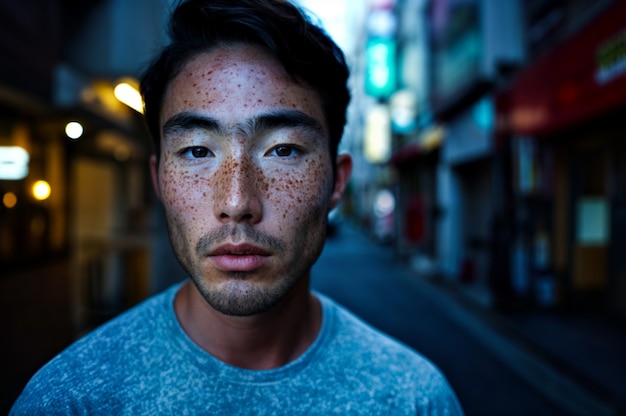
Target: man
point(246, 107)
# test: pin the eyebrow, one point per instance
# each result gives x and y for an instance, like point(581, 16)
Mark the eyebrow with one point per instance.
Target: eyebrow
point(275, 120)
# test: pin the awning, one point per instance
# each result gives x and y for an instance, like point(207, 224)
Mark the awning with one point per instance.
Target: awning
point(424, 143)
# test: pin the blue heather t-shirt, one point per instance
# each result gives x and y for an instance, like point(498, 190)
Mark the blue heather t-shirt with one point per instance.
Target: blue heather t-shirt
point(143, 363)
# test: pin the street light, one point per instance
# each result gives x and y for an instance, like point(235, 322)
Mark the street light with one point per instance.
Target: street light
point(129, 95)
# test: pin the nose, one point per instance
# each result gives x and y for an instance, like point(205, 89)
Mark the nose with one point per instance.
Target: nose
point(238, 197)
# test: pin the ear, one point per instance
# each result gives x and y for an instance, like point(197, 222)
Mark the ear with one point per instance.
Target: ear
point(342, 176)
point(154, 174)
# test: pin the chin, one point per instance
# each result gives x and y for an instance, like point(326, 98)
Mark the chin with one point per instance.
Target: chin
point(239, 297)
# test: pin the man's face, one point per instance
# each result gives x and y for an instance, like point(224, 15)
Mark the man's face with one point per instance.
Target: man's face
point(245, 177)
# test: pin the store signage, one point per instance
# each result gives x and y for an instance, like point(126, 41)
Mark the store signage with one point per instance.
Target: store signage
point(377, 144)
point(13, 163)
point(592, 221)
point(380, 73)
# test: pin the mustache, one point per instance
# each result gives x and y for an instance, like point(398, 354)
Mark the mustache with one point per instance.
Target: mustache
point(243, 233)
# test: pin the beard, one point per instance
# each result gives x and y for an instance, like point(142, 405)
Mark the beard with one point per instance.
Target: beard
point(240, 294)
point(240, 297)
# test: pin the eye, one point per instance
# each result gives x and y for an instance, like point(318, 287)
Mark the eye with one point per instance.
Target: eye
point(197, 152)
point(284, 150)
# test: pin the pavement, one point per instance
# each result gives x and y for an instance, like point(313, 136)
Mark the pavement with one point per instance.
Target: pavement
point(576, 360)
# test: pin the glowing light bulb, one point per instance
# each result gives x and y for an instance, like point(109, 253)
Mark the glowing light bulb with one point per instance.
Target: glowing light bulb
point(41, 190)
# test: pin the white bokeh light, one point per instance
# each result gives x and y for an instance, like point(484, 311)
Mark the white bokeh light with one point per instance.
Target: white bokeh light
point(74, 130)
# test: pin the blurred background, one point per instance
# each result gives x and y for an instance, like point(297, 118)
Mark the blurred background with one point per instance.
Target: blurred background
point(490, 159)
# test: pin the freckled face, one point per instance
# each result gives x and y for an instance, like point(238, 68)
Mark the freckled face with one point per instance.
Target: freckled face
point(245, 177)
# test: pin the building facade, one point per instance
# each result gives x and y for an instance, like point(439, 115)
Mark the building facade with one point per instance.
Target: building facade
point(95, 219)
point(511, 183)
point(563, 117)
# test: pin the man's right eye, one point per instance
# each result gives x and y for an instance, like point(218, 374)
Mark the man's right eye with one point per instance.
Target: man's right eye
point(197, 152)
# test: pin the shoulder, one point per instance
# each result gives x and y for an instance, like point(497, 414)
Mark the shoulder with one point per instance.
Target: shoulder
point(353, 335)
point(378, 362)
point(136, 328)
point(99, 360)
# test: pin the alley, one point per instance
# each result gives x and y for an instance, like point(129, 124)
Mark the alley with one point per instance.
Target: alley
point(369, 280)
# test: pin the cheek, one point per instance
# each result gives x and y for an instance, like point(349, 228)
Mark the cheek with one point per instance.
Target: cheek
point(181, 193)
point(301, 196)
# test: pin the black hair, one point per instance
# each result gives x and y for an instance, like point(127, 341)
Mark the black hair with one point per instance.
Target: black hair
point(306, 52)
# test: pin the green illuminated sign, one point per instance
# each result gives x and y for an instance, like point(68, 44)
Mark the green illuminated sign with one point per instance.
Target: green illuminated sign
point(380, 75)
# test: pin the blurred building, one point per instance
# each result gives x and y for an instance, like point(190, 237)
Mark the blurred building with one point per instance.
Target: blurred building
point(62, 61)
point(506, 152)
point(561, 125)
point(486, 135)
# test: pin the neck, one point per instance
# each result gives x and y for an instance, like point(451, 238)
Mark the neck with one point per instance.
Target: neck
point(264, 341)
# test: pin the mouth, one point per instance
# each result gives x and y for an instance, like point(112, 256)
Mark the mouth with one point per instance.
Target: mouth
point(239, 250)
point(238, 257)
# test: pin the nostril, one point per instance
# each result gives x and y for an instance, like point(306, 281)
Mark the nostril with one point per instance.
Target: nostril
point(243, 217)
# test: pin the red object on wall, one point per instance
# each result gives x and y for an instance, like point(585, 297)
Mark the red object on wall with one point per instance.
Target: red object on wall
point(415, 220)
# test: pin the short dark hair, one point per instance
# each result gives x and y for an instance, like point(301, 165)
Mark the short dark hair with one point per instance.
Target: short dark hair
point(306, 52)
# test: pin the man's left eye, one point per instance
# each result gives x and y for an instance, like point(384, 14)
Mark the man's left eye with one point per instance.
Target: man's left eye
point(284, 151)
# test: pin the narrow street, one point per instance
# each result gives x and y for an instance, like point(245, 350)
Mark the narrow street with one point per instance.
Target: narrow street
point(368, 279)
point(489, 376)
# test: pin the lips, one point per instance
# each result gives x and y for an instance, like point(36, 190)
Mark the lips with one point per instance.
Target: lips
point(238, 257)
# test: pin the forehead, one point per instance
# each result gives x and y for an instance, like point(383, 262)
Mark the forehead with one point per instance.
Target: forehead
point(235, 83)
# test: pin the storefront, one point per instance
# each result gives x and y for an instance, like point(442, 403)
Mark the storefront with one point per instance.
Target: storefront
point(416, 193)
point(564, 119)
